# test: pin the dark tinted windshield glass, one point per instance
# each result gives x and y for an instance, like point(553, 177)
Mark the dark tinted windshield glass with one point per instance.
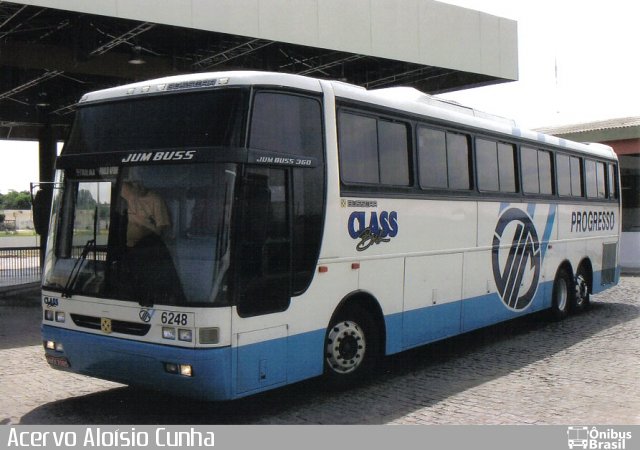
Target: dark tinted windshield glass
point(199, 119)
point(150, 234)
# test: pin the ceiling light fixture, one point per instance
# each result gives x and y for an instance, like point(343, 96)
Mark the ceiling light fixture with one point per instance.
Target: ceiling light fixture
point(136, 56)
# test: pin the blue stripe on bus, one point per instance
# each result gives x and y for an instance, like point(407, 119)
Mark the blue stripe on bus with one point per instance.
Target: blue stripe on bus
point(597, 281)
point(548, 228)
point(227, 373)
point(142, 363)
point(531, 210)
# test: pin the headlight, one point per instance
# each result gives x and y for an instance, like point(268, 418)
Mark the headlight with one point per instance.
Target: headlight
point(186, 370)
point(183, 369)
point(168, 333)
point(51, 345)
point(185, 335)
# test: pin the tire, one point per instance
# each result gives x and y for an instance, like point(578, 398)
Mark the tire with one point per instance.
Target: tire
point(351, 348)
point(582, 297)
point(563, 295)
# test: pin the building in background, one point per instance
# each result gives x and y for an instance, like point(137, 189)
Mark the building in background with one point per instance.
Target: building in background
point(624, 136)
point(16, 219)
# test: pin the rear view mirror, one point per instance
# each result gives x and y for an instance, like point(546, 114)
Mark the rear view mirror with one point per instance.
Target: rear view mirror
point(41, 207)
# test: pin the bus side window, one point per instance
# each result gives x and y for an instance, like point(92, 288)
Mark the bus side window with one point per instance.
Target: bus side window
point(563, 171)
point(600, 174)
point(537, 171)
point(613, 185)
point(576, 177)
point(591, 178)
point(443, 159)
point(263, 243)
point(287, 123)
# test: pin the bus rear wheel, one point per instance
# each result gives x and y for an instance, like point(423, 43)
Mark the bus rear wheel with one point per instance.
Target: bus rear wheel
point(351, 348)
point(563, 294)
point(582, 297)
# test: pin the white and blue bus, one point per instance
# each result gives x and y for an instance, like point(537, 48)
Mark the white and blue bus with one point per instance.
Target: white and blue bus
point(218, 235)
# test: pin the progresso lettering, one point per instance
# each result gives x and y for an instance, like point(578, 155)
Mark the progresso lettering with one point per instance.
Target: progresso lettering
point(583, 221)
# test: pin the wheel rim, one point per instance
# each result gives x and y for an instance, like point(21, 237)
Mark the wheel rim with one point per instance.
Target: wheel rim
point(561, 295)
point(582, 290)
point(346, 346)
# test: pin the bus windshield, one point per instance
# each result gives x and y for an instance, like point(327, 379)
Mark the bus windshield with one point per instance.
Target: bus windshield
point(150, 234)
point(200, 119)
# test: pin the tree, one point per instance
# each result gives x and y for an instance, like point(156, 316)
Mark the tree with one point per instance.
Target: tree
point(85, 199)
point(15, 200)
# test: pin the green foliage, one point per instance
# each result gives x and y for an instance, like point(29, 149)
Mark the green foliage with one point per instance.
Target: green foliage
point(15, 200)
point(85, 200)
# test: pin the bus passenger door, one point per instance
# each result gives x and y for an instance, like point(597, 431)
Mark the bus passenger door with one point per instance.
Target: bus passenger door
point(262, 277)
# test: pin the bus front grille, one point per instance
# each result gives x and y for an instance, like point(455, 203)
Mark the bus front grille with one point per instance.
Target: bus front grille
point(117, 326)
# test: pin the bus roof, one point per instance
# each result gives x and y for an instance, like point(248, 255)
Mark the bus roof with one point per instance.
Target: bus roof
point(416, 102)
point(403, 99)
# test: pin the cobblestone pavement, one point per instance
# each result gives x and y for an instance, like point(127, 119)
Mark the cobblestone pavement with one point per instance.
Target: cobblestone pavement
point(583, 370)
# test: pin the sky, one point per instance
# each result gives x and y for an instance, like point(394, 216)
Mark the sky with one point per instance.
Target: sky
point(18, 165)
point(578, 62)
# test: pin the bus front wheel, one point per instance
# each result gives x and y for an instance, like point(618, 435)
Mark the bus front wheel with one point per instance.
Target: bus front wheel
point(351, 347)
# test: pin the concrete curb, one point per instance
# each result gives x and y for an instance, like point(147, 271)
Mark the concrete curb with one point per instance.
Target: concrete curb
point(8, 293)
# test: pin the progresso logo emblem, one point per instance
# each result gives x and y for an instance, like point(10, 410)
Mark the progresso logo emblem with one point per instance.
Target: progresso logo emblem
point(516, 258)
point(146, 315)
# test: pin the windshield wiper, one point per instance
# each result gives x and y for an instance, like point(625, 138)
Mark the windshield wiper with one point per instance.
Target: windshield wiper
point(75, 271)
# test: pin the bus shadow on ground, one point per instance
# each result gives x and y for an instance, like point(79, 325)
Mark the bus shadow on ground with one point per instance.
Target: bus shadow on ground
point(405, 382)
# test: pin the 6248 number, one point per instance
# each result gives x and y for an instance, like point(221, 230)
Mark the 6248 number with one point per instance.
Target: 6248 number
point(171, 318)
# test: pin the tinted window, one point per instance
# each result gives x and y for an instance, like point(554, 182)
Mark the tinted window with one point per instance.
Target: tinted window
point(530, 181)
point(537, 175)
point(458, 161)
point(613, 191)
point(358, 149)
point(496, 169)
point(373, 150)
point(432, 158)
point(393, 154)
point(264, 252)
point(507, 167)
point(443, 159)
point(286, 124)
point(563, 170)
point(576, 177)
point(602, 193)
point(591, 179)
point(544, 168)
point(177, 121)
point(487, 162)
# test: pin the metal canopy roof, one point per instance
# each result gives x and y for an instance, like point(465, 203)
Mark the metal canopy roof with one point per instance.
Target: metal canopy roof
point(50, 57)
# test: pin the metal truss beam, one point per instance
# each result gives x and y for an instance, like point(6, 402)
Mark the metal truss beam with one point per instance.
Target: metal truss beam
point(331, 64)
point(230, 54)
point(123, 38)
point(31, 83)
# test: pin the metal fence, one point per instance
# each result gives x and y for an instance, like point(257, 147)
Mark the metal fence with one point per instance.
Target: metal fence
point(19, 265)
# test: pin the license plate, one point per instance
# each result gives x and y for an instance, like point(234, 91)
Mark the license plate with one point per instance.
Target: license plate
point(58, 361)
